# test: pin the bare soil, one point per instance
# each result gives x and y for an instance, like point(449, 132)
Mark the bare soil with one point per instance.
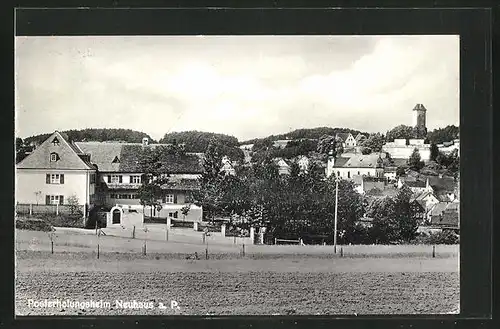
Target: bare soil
point(297, 284)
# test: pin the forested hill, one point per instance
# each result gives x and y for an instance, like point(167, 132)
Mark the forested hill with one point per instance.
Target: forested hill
point(97, 135)
point(197, 141)
point(306, 133)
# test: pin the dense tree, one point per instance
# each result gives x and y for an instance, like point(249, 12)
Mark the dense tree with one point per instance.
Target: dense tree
point(365, 150)
point(441, 135)
point(434, 152)
point(400, 132)
point(307, 133)
point(215, 186)
point(415, 162)
point(406, 217)
point(330, 145)
point(374, 142)
point(98, 135)
point(21, 149)
point(154, 176)
point(384, 224)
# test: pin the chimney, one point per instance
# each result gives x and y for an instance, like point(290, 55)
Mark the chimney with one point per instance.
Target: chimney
point(145, 141)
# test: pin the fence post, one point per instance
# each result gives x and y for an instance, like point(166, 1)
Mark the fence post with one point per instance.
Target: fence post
point(274, 240)
point(234, 239)
point(57, 209)
point(433, 251)
point(133, 232)
point(206, 252)
point(31, 209)
point(341, 252)
point(243, 249)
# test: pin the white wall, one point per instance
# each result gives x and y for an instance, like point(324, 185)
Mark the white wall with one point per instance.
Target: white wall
point(29, 181)
point(405, 152)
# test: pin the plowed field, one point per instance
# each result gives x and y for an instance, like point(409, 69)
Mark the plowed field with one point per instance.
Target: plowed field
point(302, 285)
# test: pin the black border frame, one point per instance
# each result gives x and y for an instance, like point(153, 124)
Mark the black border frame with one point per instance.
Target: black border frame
point(476, 111)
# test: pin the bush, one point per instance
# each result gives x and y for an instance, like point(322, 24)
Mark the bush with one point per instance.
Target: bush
point(62, 220)
point(33, 224)
point(443, 237)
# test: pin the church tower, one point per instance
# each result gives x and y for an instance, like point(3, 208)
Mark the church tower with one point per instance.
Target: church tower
point(419, 117)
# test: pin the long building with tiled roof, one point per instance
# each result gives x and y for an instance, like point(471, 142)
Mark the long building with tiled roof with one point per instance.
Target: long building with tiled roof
point(104, 174)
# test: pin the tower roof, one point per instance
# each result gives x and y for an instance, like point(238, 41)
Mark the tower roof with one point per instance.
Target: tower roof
point(419, 107)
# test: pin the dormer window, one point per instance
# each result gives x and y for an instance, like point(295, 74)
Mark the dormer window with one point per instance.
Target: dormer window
point(54, 157)
point(55, 141)
point(115, 160)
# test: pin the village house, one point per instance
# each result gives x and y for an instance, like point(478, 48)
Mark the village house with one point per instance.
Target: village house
point(228, 166)
point(347, 139)
point(55, 172)
point(415, 185)
point(365, 184)
point(104, 174)
point(445, 214)
point(347, 168)
point(283, 166)
point(303, 163)
point(419, 211)
point(119, 177)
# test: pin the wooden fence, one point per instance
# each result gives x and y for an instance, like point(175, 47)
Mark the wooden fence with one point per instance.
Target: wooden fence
point(38, 209)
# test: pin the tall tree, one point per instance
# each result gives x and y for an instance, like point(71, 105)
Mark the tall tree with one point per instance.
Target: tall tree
point(415, 160)
point(384, 224)
point(400, 132)
point(434, 152)
point(374, 142)
point(330, 145)
point(154, 176)
point(211, 193)
point(406, 218)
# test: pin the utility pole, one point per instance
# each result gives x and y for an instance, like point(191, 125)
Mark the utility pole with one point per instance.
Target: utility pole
point(336, 208)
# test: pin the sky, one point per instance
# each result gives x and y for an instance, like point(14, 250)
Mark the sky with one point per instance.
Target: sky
point(245, 86)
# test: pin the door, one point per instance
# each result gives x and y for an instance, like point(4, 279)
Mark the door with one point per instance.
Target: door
point(117, 216)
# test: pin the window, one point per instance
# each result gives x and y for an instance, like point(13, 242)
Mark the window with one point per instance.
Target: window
point(114, 178)
point(348, 174)
point(112, 196)
point(173, 214)
point(54, 179)
point(54, 199)
point(92, 178)
point(116, 160)
point(54, 157)
point(55, 141)
point(135, 179)
point(169, 198)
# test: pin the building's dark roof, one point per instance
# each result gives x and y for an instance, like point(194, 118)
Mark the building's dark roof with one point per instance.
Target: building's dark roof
point(69, 156)
point(182, 184)
point(398, 162)
point(128, 154)
point(438, 208)
point(419, 107)
point(416, 183)
point(361, 161)
point(340, 162)
point(342, 136)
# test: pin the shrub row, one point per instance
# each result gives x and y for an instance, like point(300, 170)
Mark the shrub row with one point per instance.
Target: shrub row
point(32, 224)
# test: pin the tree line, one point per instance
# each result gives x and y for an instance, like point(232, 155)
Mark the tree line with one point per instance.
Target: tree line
point(301, 204)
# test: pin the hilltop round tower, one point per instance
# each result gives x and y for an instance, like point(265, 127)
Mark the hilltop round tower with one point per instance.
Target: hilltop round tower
point(419, 117)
